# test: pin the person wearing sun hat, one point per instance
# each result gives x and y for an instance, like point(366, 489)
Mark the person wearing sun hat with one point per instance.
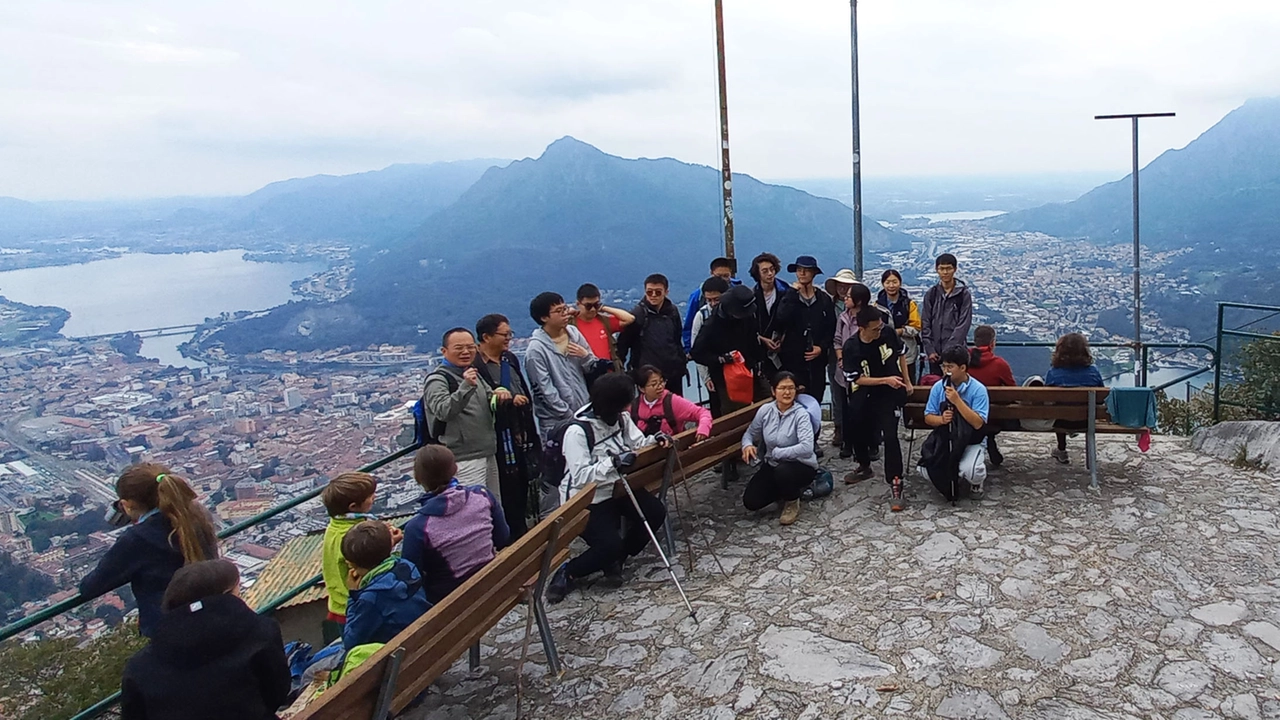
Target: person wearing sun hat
point(807, 319)
point(837, 286)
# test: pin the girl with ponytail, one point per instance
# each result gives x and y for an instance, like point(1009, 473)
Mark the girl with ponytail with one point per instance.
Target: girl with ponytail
point(170, 529)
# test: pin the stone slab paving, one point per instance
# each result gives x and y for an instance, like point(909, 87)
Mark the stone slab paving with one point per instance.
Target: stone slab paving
point(1158, 597)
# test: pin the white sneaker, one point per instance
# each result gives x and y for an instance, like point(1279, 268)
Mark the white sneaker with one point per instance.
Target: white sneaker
point(976, 490)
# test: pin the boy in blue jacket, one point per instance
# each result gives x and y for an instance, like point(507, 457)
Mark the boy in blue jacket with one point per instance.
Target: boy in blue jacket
point(386, 591)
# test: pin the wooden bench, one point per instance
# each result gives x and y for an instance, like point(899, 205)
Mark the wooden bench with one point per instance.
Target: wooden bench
point(394, 676)
point(656, 469)
point(1079, 405)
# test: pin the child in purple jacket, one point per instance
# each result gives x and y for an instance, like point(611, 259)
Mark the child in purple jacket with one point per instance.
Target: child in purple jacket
point(456, 531)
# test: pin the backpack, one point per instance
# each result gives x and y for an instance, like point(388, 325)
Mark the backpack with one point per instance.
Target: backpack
point(429, 433)
point(668, 413)
point(553, 463)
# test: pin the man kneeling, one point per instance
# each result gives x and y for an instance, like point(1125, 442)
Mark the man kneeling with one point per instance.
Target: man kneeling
point(957, 410)
point(599, 447)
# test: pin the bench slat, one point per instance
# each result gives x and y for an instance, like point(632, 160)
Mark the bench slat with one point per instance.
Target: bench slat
point(495, 586)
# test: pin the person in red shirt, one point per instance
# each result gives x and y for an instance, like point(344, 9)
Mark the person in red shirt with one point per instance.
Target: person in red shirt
point(599, 323)
point(992, 371)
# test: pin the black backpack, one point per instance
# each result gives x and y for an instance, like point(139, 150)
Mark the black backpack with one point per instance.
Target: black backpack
point(425, 432)
point(553, 463)
point(653, 424)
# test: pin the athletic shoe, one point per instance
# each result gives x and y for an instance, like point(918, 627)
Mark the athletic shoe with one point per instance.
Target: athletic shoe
point(790, 511)
point(560, 585)
point(976, 491)
point(1061, 456)
point(996, 457)
point(862, 472)
point(897, 504)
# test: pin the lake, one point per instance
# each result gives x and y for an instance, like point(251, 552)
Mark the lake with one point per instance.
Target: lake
point(958, 215)
point(139, 291)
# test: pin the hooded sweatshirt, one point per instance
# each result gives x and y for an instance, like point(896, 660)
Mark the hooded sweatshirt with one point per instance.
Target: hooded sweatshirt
point(332, 565)
point(390, 598)
point(585, 465)
point(466, 413)
point(558, 381)
point(456, 532)
point(990, 369)
point(946, 318)
point(210, 660)
point(146, 556)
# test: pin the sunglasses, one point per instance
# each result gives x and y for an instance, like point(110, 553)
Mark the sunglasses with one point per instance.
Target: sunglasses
point(654, 293)
point(592, 305)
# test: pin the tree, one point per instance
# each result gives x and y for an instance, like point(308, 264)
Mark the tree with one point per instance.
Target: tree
point(1258, 392)
point(55, 679)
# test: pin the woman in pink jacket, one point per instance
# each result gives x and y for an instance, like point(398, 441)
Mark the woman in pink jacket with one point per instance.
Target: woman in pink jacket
point(657, 409)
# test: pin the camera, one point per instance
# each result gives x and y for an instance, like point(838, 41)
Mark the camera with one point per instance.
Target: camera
point(116, 516)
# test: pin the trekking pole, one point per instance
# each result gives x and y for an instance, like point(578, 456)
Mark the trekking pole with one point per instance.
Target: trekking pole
point(658, 546)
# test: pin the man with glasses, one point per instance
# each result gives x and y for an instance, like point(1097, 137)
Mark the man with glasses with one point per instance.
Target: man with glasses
point(599, 323)
point(655, 338)
point(513, 422)
point(458, 404)
point(558, 359)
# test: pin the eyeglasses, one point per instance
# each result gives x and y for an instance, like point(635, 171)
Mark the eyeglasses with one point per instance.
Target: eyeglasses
point(561, 310)
point(504, 335)
point(656, 383)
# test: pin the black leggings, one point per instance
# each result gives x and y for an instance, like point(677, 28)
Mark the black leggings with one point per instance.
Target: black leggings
point(811, 374)
point(777, 484)
point(1072, 425)
point(606, 544)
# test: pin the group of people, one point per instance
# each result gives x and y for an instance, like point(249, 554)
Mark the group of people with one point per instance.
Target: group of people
point(597, 385)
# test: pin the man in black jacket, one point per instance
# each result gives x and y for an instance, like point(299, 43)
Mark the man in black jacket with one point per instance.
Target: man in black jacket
point(731, 327)
point(655, 338)
point(807, 319)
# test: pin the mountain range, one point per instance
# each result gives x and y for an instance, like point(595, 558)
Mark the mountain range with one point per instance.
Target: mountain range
point(1219, 197)
point(573, 215)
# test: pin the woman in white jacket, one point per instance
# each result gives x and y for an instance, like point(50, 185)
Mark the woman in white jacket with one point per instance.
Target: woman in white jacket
point(781, 433)
point(599, 447)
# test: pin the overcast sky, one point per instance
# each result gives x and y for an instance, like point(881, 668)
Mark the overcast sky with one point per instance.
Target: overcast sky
point(129, 98)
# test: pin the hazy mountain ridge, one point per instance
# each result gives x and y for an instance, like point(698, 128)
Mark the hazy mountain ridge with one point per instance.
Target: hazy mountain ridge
point(573, 215)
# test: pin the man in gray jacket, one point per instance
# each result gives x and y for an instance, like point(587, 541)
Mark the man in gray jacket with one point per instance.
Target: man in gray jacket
point(458, 406)
point(557, 360)
point(946, 315)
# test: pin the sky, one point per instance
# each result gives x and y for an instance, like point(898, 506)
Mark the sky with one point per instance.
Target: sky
point(137, 98)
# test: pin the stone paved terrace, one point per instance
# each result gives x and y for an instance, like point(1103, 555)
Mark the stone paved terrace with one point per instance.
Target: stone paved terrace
point(1158, 598)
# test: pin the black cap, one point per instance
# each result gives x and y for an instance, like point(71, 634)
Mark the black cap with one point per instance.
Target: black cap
point(739, 302)
point(805, 261)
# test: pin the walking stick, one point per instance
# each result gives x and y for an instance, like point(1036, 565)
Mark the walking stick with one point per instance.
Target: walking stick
point(658, 546)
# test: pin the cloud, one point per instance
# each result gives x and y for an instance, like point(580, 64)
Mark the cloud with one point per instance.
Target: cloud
point(135, 97)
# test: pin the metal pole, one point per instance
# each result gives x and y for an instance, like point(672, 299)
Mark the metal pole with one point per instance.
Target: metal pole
point(857, 145)
point(1139, 366)
point(1217, 370)
point(1139, 375)
point(726, 175)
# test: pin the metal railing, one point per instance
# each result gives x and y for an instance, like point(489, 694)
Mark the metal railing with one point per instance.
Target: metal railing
point(1143, 360)
point(1238, 332)
point(71, 603)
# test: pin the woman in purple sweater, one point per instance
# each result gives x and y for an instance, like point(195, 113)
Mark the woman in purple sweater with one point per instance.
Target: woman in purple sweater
point(458, 529)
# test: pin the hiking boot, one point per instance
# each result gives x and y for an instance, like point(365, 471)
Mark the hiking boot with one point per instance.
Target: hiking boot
point(790, 511)
point(613, 576)
point(875, 453)
point(896, 504)
point(862, 472)
point(560, 585)
point(1061, 456)
point(846, 453)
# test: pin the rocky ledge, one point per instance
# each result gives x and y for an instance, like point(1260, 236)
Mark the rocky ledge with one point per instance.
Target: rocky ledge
point(1155, 598)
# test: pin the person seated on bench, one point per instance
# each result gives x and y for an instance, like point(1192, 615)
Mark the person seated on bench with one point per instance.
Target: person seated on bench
point(956, 398)
point(656, 409)
point(458, 528)
point(1071, 366)
point(992, 371)
point(210, 656)
point(784, 430)
point(604, 460)
point(385, 591)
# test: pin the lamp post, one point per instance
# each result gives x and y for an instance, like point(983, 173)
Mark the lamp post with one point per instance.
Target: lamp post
point(857, 145)
point(726, 175)
point(1139, 369)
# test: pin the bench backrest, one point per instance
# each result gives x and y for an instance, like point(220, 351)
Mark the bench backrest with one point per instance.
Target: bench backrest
point(1028, 403)
point(724, 441)
point(437, 639)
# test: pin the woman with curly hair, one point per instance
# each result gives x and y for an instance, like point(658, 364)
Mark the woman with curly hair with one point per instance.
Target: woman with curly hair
point(1071, 366)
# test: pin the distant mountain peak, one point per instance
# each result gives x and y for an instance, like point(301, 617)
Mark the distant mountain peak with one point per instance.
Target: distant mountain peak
point(569, 146)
